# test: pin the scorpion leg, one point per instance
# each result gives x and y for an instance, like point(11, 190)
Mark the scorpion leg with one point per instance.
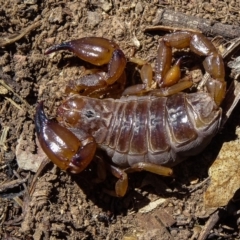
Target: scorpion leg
point(166, 77)
point(62, 146)
point(170, 84)
point(121, 184)
point(97, 51)
point(146, 74)
point(150, 167)
point(185, 83)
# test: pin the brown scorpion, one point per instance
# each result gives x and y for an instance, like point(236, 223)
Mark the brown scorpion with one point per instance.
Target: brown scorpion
point(146, 129)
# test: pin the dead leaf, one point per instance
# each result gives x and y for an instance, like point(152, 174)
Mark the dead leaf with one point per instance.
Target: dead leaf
point(152, 205)
point(25, 158)
point(225, 175)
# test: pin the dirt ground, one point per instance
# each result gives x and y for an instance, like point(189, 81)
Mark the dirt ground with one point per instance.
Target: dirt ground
point(63, 206)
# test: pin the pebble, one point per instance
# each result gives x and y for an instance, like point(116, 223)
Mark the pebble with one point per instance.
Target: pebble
point(94, 18)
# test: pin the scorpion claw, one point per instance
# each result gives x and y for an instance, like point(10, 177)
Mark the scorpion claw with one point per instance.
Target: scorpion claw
point(99, 52)
point(61, 145)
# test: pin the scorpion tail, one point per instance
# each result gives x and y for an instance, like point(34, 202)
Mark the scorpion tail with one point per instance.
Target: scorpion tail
point(61, 145)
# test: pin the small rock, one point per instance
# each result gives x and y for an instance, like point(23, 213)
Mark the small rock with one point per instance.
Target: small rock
point(25, 158)
point(30, 2)
point(138, 8)
point(174, 232)
point(94, 18)
point(56, 15)
point(3, 90)
point(105, 5)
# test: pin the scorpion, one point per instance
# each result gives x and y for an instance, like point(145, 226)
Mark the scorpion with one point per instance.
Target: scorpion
point(146, 129)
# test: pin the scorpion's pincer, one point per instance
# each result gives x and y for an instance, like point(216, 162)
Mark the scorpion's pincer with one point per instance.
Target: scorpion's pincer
point(61, 145)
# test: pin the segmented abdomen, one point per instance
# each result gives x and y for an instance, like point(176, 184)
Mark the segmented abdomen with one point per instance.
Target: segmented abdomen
point(160, 130)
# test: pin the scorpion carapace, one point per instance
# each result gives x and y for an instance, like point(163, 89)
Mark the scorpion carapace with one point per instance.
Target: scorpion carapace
point(149, 132)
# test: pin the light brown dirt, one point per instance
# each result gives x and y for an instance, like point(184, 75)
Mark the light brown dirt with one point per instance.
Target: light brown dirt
point(72, 207)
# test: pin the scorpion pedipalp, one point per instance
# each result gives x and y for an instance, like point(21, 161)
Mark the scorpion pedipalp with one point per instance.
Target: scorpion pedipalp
point(97, 51)
point(61, 145)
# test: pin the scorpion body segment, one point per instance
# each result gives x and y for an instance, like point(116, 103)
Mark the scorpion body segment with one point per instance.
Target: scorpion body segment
point(161, 127)
point(159, 130)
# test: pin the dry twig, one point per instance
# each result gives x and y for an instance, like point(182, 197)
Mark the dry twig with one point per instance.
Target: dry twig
point(4, 41)
point(12, 184)
point(208, 27)
point(10, 89)
point(210, 224)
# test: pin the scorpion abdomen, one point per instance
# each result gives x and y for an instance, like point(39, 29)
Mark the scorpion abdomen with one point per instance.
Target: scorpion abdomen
point(159, 130)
